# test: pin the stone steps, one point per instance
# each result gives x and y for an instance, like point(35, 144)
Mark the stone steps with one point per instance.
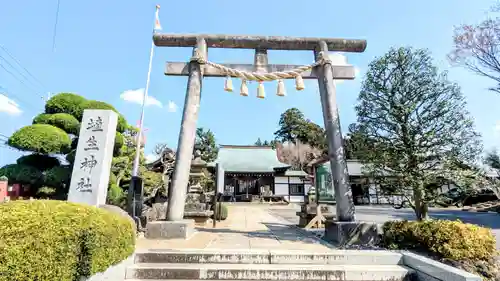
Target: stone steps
point(333, 257)
point(310, 272)
point(202, 264)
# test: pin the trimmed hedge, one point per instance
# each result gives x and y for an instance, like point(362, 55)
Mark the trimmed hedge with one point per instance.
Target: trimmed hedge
point(40, 161)
point(466, 246)
point(119, 142)
point(70, 157)
point(47, 240)
point(224, 212)
point(65, 103)
point(58, 177)
point(74, 105)
point(41, 138)
point(452, 240)
point(63, 121)
point(94, 104)
point(18, 173)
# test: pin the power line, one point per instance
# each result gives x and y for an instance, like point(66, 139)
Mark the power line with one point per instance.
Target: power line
point(19, 63)
point(55, 26)
point(18, 97)
point(33, 87)
point(15, 77)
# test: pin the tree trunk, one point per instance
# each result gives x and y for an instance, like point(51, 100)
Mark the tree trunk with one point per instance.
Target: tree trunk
point(421, 207)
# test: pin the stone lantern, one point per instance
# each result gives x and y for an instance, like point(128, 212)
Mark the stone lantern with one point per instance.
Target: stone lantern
point(196, 205)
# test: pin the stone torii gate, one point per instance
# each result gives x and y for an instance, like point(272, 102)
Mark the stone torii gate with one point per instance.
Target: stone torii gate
point(200, 67)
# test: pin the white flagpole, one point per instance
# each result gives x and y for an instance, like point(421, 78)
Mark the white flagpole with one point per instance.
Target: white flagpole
point(135, 170)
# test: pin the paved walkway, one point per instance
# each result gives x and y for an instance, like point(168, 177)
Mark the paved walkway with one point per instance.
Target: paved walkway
point(247, 227)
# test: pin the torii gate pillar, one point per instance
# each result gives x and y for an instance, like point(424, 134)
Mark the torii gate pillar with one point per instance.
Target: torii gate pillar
point(324, 73)
point(187, 134)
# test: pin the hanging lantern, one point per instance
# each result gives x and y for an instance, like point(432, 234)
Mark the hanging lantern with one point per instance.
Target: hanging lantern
point(281, 88)
point(228, 84)
point(299, 83)
point(261, 93)
point(244, 88)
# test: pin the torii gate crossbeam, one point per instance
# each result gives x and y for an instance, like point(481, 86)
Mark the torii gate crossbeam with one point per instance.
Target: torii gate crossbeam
point(325, 73)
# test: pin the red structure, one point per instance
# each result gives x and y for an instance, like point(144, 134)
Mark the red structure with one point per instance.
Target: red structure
point(3, 190)
point(12, 191)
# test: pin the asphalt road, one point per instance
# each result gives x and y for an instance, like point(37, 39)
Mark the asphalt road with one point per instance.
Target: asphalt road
point(383, 214)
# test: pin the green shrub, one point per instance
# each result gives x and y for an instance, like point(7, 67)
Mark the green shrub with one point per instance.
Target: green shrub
point(46, 192)
point(65, 103)
point(17, 173)
point(47, 240)
point(116, 196)
point(94, 104)
point(223, 212)
point(452, 240)
point(58, 177)
point(41, 138)
point(40, 161)
point(119, 142)
point(70, 157)
point(63, 121)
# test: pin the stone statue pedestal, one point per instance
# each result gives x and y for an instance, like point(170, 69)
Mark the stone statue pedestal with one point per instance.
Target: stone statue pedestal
point(308, 213)
point(196, 202)
point(170, 229)
point(196, 207)
point(309, 210)
point(195, 210)
point(343, 234)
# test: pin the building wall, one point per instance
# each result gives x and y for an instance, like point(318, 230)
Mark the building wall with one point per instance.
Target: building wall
point(282, 188)
point(322, 174)
point(280, 185)
point(220, 178)
point(3, 190)
point(12, 191)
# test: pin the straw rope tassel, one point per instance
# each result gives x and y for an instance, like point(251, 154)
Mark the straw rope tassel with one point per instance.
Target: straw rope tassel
point(299, 83)
point(280, 91)
point(261, 93)
point(244, 88)
point(228, 84)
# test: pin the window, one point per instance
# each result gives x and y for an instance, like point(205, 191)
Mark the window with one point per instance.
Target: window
point(296, 189)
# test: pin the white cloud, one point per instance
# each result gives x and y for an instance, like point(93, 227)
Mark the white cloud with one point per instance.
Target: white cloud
point(9, 106)
point(136, 96)
point(150, 158)
point(172, 107)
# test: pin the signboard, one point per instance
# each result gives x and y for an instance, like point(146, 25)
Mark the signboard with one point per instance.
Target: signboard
point(325, 193)
point(90, 176)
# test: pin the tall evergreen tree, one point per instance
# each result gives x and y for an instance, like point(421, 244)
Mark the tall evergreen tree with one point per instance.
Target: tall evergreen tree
point(293, 127)
point(206, 144)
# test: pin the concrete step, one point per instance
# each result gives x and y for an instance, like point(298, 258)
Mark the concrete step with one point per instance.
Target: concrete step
point(302, 272)
point(337, 257)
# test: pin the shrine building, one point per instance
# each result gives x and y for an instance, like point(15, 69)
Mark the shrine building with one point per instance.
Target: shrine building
point(252, 172)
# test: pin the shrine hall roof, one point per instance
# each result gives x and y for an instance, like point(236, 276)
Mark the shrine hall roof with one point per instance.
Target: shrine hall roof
point(246, 158)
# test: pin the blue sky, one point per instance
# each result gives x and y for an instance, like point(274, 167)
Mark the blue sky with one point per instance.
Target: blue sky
point(102, 50)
